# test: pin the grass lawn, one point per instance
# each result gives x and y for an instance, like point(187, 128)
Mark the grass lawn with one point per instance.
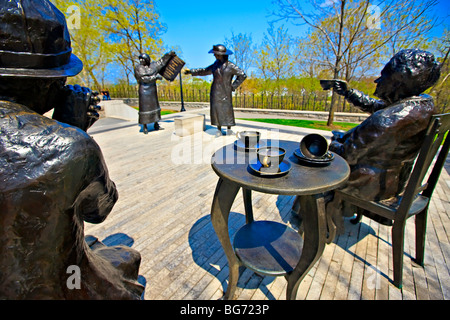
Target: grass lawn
point(163, 111)
point(320, 125)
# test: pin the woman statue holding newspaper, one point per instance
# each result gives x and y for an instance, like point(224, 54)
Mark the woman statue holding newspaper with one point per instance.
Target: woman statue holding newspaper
point(147, 73)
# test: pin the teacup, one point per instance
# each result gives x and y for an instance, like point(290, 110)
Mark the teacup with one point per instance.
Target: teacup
point(329, 84)
point(249, 138)
point(314, 146)
point(271, 156)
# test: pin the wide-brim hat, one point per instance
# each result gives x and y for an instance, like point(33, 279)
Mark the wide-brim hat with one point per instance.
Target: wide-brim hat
point(220, 50)
point(35, 41)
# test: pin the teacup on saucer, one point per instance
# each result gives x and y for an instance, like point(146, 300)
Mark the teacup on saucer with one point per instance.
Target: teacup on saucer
point(314, 146)
point(271, 156)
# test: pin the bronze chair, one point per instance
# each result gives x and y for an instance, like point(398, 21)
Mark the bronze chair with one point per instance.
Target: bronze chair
point(416, 198)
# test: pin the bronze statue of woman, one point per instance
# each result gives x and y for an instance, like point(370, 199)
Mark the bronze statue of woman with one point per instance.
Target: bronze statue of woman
point(147, 73)
point(54, 176)
point(221, 99)
point(382, 149)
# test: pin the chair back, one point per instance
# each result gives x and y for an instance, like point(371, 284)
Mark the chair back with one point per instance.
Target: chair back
point(436, 138)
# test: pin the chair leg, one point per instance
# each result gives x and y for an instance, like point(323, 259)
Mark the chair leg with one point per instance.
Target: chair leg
point(356, 219)
point(421, 226)
point(398, 239)
point(359, 215)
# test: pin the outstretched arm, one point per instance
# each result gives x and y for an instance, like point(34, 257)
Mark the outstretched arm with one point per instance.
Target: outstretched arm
point(200, 71)
point(357, 98)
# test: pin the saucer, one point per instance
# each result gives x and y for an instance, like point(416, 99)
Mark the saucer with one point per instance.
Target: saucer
point(279, 171)
point(241, 146)
point(325, 160)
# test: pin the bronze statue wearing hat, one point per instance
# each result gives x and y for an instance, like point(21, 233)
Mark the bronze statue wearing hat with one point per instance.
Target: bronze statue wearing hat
point(382, 149)
point(146, 74)
point(223, 72)
point(53, 173)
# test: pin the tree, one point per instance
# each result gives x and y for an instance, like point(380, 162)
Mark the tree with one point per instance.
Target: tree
point(131, 27)
point(352, 33)
point(244, 50)
point(274, 59)
point(86, 38)
point(441, 90)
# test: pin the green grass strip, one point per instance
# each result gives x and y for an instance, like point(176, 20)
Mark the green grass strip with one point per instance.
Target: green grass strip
point(312, 124)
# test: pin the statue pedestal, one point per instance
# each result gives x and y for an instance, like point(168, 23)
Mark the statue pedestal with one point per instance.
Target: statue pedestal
point(189, 124)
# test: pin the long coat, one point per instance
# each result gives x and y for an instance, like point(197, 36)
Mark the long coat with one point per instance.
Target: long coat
point(53, 178)
point(221, 99)
point(146, 76)
point(382, 149)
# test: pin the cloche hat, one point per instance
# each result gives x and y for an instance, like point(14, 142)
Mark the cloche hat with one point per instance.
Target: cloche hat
point(35, 41)
point(220, 50)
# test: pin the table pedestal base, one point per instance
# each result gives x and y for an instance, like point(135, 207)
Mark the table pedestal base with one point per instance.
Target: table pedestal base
point(293, 266)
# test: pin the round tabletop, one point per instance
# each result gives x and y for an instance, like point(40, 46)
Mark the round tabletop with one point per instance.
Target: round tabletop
point(233, 164)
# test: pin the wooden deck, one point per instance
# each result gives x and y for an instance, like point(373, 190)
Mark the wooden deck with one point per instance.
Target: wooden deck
point(166, 186)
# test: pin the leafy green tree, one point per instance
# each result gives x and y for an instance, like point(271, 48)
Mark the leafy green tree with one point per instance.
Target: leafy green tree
point(106, 32)
point(441, 90)
point(349, 35)
point(274, 59)
point(87, 38)
point(244, 50)
point(131, 27)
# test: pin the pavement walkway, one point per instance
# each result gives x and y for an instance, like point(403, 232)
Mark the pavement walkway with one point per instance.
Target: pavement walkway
point(166, 186)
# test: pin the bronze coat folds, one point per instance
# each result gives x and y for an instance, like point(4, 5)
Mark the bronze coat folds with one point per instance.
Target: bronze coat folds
point(53, 178)
point(382, 149)
point(147, 75)
point(53, 175)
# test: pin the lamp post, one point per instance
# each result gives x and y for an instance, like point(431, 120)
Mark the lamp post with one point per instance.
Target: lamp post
point(181, 91)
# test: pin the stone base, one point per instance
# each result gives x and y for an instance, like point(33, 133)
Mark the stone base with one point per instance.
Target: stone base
point(189, 124)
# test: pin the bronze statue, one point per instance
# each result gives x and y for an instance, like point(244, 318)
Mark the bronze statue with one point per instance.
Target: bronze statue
point(53, 173)
point(221, 99)
point(382, 149)
point(147, 73)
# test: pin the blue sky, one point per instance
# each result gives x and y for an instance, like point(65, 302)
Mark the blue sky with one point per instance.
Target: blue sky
point(194, 26)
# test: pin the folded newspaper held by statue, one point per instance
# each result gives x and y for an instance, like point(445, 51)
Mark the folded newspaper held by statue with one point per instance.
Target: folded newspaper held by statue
point(172, 69)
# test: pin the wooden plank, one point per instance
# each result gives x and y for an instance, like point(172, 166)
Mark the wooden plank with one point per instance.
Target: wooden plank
point(163, 211)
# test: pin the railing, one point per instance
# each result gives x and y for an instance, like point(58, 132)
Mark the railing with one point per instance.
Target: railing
point(308, 101)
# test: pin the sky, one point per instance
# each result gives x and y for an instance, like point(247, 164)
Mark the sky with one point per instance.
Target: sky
point(195, 26)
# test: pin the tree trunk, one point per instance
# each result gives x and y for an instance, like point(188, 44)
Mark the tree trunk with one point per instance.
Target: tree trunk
point(336, 65)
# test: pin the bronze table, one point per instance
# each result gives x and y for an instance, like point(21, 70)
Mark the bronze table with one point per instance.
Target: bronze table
point(266, 247)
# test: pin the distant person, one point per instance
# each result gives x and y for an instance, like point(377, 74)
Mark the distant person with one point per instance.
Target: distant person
point(147, 73)
point(223, 71)
point(382, 149)
point(106, 95)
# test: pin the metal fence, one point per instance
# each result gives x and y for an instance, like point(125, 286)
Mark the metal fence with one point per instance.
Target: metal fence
point(308, 101)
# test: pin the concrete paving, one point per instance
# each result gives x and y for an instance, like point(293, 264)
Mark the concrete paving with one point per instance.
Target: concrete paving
point(166, 186)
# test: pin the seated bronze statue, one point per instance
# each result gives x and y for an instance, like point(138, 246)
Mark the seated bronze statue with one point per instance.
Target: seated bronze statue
point(53, 173)
point(382, 149)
